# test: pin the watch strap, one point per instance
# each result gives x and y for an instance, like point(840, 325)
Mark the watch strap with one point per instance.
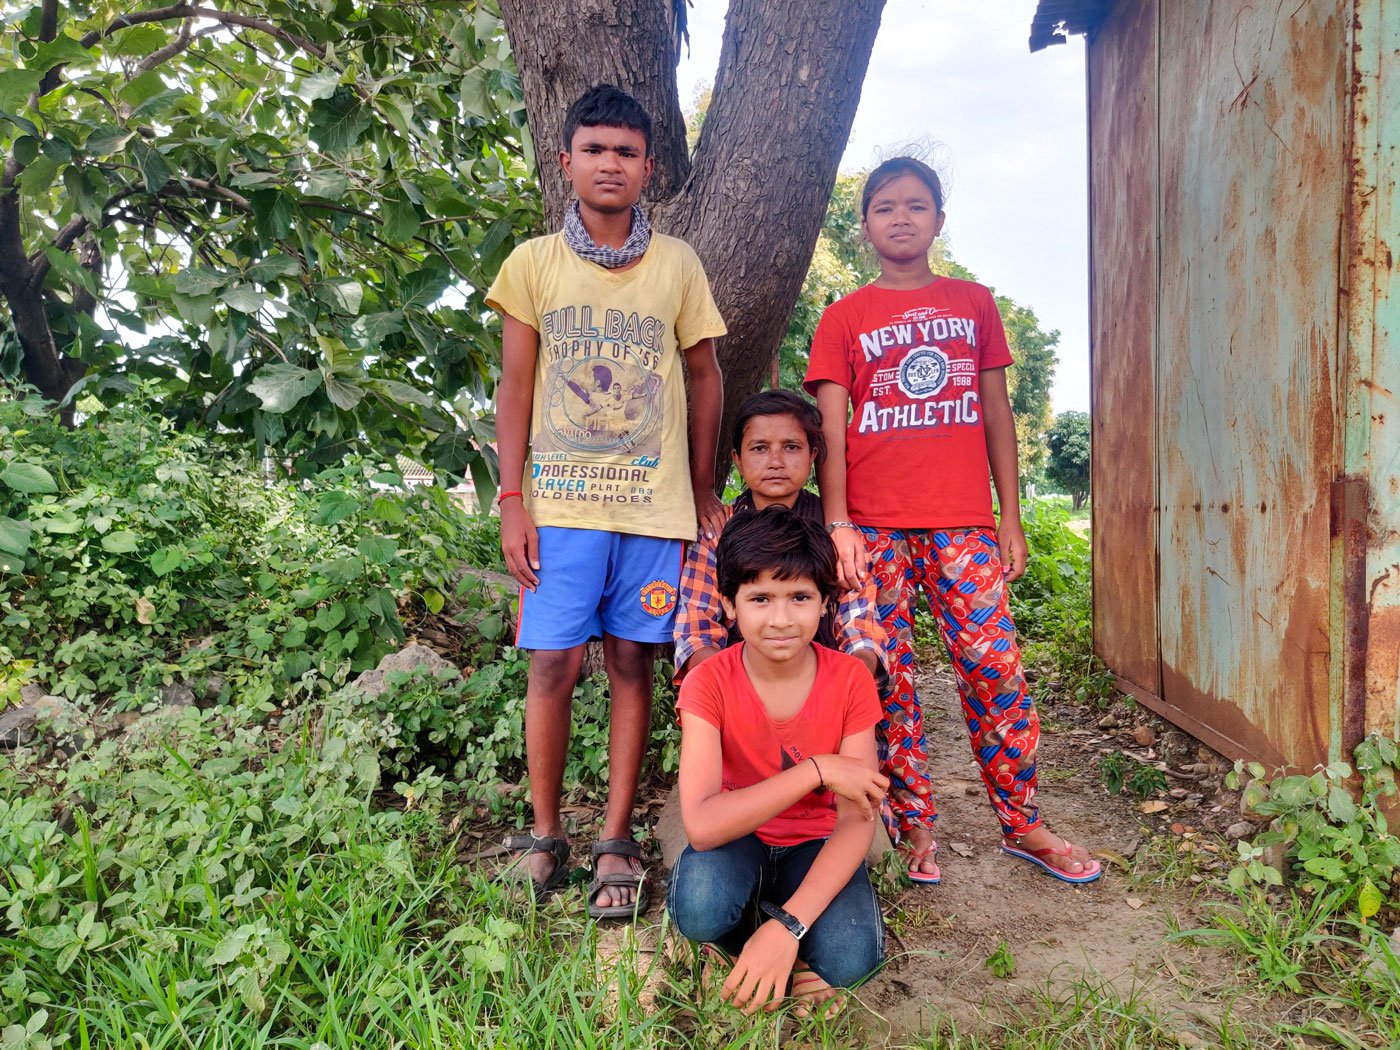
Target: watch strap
point(792, 923)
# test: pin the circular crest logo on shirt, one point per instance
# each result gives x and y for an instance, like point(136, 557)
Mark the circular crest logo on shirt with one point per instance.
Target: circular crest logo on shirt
point(924, 372)
point(658, 597)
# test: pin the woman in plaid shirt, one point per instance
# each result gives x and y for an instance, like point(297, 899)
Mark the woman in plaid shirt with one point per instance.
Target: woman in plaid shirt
point(777, 441)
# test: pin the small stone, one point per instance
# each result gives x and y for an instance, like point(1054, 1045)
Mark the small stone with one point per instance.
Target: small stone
point(1178, 829)
point(1133, 902)
point(1379, 968)
point(1238, 830)
point(1144, 735)
point(1189, 1040)
point(1108, 722)
point(176, 694)
point(1178, 793)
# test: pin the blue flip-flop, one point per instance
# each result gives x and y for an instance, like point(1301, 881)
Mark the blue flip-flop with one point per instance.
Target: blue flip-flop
point(1034, 856)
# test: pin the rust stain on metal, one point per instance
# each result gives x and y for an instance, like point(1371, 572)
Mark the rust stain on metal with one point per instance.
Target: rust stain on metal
point(1122, 91)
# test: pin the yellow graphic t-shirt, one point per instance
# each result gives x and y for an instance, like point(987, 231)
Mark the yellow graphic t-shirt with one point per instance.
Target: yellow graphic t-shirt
point(609, 445)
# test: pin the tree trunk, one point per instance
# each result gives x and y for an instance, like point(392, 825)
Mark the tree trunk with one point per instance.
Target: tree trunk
point(752, 198)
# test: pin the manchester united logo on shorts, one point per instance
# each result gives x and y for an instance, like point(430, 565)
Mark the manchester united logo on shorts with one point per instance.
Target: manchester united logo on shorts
point(658, 598)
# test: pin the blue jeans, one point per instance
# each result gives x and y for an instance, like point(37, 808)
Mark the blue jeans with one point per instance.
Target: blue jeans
point(714, 897)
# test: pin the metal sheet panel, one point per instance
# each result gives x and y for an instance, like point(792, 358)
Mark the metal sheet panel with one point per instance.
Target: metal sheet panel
point(1252, 135)
point(1122, 97)
point(1371, 380)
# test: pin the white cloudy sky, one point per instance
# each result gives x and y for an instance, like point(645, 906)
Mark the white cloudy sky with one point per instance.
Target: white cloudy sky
point(1011, 124)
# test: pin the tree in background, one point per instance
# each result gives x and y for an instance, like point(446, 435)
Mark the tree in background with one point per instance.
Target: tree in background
point(842, 262)
point(259, 210)
point(1068, 443)
point(752, 195)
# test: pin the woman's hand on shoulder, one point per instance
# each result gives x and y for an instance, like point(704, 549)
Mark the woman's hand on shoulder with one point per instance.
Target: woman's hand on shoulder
point(852, 559)
point(761, 972)
point(1011, 538)
point(854, 779)
point(711, 513)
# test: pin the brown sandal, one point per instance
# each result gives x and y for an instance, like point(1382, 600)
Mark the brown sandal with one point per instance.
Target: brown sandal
point(617, 848)
point(556, 846)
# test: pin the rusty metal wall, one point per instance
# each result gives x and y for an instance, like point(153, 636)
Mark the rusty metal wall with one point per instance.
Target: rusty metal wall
point(1252, 133)
point(1368, 575)
point(1122, 92)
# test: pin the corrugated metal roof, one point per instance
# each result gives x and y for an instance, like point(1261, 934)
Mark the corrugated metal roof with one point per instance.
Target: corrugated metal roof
point(1055, 20)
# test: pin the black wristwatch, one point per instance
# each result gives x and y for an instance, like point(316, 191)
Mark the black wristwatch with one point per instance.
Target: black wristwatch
point(794, 925)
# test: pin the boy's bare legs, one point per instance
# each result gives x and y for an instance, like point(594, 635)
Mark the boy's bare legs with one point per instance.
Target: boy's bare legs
point(549, 698)
point(630, 667)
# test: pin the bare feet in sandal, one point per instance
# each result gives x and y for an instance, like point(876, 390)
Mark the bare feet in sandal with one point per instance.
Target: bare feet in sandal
point(1057, 856)
point(813, 993)
point(615, 895)
point(921, 856)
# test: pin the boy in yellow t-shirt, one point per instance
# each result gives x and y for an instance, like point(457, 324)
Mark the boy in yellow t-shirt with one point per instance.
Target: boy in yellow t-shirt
point(596, 320)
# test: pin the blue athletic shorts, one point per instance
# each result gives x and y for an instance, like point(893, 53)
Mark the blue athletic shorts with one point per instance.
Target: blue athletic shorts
point(592, 582)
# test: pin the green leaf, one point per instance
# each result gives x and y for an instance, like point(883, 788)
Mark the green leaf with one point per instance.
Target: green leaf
point(335, 505)
point(166, 560)
point(421, 288)
point(106, 139)
point(338, 122)
point(272, 214)
point(16, 85)
point(401, 221)
point(1329, 868)
point(138, 90)
point(120, 541)
point(1340, 807)
point(199, 281)
point(346, 294)
point(342, 394)
point(14, 535)
point(271, 267)
point(154, 169)
point(61, 51)
point(73, 272)
point(378, 549)
point(434, 600)
point(27, 477)
point(244, 298)
point(281, 386)
point(452, 451)
point(319, 86)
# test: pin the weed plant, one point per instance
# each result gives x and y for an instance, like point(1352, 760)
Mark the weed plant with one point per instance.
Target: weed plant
point(133, 553)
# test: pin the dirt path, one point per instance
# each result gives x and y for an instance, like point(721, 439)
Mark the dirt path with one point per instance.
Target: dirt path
point(1112, 931)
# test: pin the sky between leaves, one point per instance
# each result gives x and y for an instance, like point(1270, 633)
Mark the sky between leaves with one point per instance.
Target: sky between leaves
point(1010, 132)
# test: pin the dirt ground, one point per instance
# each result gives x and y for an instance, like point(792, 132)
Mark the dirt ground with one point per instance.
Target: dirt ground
point(1112, 931)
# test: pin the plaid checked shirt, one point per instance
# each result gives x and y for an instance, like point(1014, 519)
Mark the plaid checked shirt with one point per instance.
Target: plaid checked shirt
point(701, 623)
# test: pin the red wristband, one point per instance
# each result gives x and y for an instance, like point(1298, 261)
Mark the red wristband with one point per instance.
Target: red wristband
point(507, 495)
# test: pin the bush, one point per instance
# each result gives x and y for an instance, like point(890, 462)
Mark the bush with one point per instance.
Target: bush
point(132, 553)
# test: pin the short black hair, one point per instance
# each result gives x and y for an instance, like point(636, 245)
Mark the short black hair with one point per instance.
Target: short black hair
point(778, 541)
point(606, 106)
point(893, 169)
point(782, 403)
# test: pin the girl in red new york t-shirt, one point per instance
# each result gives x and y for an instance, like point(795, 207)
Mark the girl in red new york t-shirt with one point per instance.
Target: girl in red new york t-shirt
point(917, 363)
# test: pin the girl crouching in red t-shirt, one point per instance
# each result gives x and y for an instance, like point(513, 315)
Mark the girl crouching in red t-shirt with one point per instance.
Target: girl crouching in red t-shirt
point(778, 784)
point(918, 364)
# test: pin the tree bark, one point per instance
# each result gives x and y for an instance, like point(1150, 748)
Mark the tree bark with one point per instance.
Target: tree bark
point(752, 198)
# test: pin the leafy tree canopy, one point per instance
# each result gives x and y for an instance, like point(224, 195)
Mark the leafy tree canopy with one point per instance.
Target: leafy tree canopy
point(1068, 442)
point(283, 214)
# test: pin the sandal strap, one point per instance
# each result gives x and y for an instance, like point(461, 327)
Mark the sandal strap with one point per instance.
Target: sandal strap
point(555, 846)
point(617, 878)
point(617, 848)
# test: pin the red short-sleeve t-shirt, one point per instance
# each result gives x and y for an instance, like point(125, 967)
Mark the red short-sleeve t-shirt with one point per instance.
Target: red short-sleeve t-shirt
point(755, 747)
point(916, 451)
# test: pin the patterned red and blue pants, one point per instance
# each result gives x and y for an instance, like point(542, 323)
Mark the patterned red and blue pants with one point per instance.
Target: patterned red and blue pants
point(960, 572)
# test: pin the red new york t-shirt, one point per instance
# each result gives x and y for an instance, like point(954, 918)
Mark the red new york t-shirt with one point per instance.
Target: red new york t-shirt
point(754, 746)
point(916, 451)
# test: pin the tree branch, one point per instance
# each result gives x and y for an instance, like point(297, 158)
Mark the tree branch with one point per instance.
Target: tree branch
point(178, 11)
point(182, 40)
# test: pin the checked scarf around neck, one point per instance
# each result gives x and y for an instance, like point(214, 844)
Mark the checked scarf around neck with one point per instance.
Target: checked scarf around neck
point(579, 240)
